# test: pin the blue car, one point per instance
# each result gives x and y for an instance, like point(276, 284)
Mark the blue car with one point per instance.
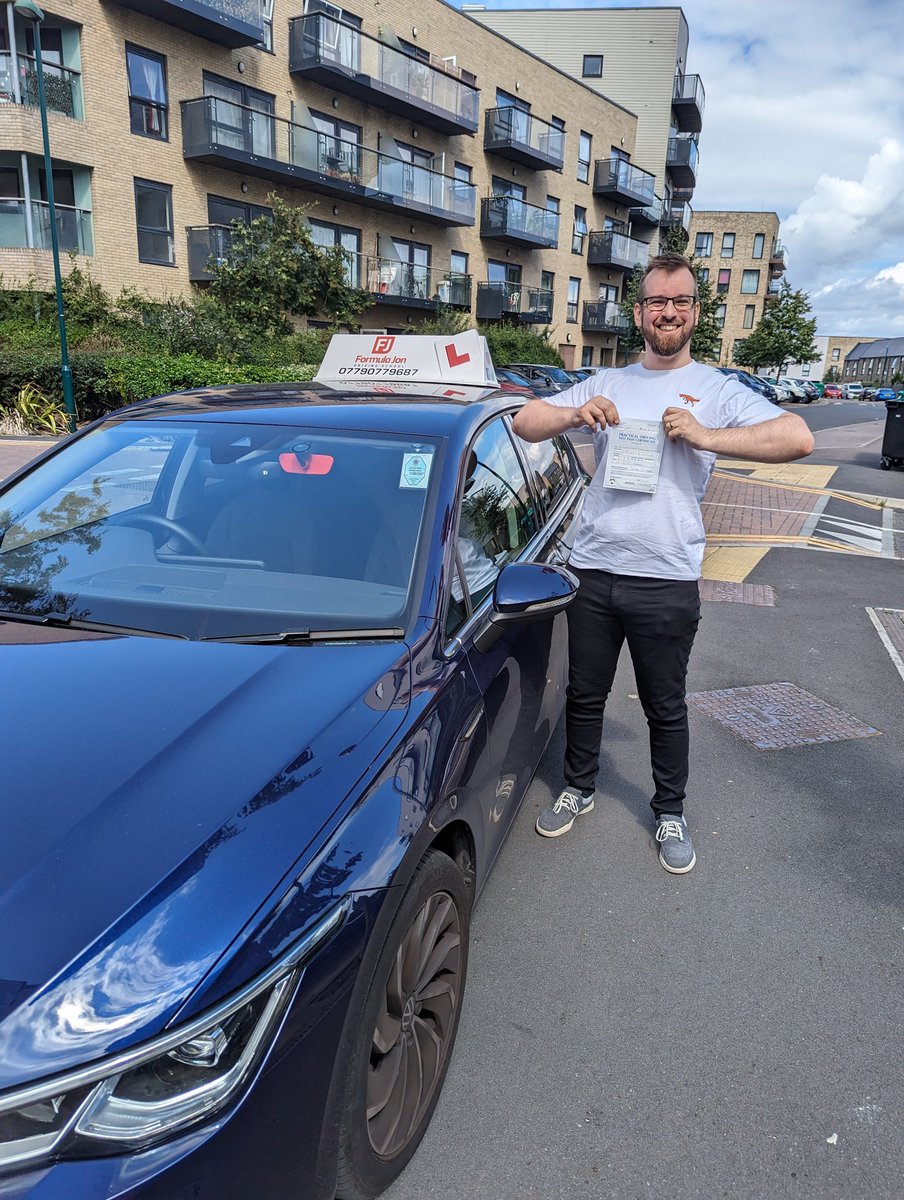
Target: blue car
point(887, 394)
point(278, 666)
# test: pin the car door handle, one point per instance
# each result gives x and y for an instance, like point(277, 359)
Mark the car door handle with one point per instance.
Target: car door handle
point(472, 724)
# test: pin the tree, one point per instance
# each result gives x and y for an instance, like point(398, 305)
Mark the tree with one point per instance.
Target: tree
point(274, 269)
point(783, 335)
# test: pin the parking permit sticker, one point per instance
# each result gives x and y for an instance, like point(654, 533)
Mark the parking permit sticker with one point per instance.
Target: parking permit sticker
point(415, 470)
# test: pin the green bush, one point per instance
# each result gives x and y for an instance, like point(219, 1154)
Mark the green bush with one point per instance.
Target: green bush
point(515, 343)
point(93, 392)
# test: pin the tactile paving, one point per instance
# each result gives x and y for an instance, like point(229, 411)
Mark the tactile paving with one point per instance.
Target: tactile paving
point(737, 593)
point(892, 621)
point(776, 716)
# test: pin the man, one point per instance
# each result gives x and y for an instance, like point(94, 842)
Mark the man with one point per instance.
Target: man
point(658, 426)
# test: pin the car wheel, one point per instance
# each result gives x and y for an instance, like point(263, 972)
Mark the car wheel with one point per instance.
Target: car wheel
point(885, 464)
point(407, 1030)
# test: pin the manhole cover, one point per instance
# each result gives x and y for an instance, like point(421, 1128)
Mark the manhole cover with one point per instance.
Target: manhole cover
point(737, 593)
point(774, 716)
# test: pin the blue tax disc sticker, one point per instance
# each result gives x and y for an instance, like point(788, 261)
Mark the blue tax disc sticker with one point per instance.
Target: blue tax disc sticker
point(415, 470)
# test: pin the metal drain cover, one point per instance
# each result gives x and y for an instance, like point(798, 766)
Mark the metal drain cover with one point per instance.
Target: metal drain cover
point(737, 593)
point(774, 716)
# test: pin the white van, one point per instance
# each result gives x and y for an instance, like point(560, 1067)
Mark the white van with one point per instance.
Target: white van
point(853, 391)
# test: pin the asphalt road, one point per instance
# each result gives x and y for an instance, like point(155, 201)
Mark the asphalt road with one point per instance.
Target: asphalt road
point(729, 1033)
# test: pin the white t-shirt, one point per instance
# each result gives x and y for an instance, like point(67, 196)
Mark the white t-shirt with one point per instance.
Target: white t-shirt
point(660, 534)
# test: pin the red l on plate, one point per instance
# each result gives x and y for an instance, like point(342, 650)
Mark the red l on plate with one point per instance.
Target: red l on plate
point(455, 360)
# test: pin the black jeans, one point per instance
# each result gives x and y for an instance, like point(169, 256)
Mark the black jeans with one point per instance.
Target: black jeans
point(658, 618)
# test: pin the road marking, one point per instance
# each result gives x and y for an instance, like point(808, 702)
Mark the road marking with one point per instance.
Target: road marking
point(886, 640)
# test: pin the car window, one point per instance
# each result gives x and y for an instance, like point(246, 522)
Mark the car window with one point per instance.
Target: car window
point(550, 469)
point(495, 520)
point(219, 530)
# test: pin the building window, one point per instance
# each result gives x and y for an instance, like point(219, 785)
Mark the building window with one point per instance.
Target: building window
point(326, 236)
point(593, 66)
point(721, 310)
point(338, 146)
point(805, 369)
point(154, 217)
point(580, 230)
point(148, 106)
point(836, 354)
point(585, 151)
point(718, 353)
point(738, 342)
point(723, 282)
point(587, 356)
point(749, 315)
point(759, 243)
point(703, 272)
point(703, 246)
point(266, 42)
point(750, 283)
point(727, 245)
point(574, 292)
point(458, 263)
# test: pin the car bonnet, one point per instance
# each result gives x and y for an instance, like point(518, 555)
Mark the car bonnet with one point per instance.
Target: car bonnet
point(153, 796)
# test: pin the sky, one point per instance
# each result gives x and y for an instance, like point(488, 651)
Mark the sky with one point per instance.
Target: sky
point(804, 117)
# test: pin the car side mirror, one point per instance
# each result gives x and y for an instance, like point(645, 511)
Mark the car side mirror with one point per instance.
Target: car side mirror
point(526, 592)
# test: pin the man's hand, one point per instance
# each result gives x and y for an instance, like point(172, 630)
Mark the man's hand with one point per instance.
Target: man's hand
point(597, 413)
point(681, 425)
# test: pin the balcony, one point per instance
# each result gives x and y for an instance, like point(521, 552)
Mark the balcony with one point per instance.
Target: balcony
point(773, 290)
point(621, 183)
point(681, 161)
point(411, 285)
point(341, 57)
point(608, 249)
point(508, 219)
point(62, 85)
point(688, 100)
point(679, 214)
point(206, 243)
point(604, 317)
point(514, 134)
point(527, 305)
point(236, 137)
point(649, 215)
point(22, 228)
point(778, 259)
point(231, 23)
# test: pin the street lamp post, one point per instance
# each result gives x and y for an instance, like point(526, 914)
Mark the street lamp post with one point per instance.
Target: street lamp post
point(30, 10)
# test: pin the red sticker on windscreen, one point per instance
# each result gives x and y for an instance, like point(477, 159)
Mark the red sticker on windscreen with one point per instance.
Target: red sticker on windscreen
point(306, 464)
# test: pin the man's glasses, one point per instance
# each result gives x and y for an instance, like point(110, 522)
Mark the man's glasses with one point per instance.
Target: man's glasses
point(657, 303)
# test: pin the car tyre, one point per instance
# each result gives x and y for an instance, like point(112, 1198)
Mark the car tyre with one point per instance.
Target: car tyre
point(407, 1030)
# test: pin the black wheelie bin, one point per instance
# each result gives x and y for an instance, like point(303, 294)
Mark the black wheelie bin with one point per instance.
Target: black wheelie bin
point(893, 441)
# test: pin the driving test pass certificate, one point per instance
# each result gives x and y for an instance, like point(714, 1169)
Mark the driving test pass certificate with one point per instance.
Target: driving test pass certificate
point(634, 455)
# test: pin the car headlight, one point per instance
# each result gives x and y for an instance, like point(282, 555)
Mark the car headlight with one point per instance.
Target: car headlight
point(156, 1090)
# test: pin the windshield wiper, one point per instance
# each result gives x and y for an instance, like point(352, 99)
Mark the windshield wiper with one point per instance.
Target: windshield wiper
point(288, 636)
point(58, 620)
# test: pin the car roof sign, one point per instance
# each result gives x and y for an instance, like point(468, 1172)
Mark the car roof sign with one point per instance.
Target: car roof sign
point(459, 359)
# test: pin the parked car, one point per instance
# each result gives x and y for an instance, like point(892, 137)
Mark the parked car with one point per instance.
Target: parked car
point(852, 391)
point(552, 377)
point(781, 390)
point(868, 393)
point(278, 663)
point(513, 381)
point(797, 390)
point(885, 394)
point(812, 390)
point(832, 391)
point(755, 382)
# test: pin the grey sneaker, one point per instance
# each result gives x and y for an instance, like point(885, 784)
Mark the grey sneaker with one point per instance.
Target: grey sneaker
point(559, 818)
point(676, 850)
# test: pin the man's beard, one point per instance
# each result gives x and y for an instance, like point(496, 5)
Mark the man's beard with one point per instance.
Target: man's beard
point(668, 343)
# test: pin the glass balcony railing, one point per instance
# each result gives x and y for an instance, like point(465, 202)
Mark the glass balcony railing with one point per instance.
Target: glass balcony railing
point(391, 281)
point(223, 133)
point(515, 134)
point(230, 23)
point(339, 55)
point(681, 160)
point(604, 317)
point(527, 305)
point(688, 100)
point(62, 85)
point(647, 214)
point(609, 249)
point(74, 227)
point(677, 213)
point(623, 183)
point(513, 220)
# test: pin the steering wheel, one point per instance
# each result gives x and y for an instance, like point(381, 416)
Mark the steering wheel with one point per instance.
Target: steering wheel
point(172, 527)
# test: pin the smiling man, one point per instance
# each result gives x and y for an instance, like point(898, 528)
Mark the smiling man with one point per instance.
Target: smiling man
point(657, 428)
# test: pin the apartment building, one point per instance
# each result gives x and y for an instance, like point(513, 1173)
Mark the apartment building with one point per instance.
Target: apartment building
point(741, 256)
point(878, 361)
point(636, 57)
point(833, 352)
point(456, 168)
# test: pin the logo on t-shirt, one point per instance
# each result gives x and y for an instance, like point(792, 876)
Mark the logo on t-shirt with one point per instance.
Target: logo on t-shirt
point(690, 400)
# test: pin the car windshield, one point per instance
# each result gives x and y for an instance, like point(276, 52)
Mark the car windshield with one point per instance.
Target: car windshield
point(206, 530)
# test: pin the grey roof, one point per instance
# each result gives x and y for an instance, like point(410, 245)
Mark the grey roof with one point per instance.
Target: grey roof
point(883, 348)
